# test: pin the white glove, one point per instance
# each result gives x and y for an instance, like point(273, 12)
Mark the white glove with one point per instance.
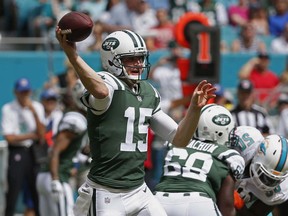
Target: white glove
point(56, 189)
point(244, 193)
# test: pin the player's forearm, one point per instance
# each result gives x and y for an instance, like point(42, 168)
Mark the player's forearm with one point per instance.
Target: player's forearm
point(90, 79)
point(187, 127)
point(245, 71)
point(54, 164)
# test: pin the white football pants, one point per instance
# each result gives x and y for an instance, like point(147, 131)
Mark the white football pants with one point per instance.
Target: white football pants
point(95, 199)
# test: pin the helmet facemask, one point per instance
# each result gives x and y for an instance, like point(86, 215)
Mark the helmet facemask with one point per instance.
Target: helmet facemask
point(233, 140)
point(263, 179)
point(139, 72)
point(269, 167)
point(118, 47)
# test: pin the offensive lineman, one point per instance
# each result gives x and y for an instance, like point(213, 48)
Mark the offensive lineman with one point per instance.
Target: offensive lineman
point(199, 179)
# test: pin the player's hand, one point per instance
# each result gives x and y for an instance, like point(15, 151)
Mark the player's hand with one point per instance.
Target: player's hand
point(202, 93)
point(56, 189)
point(68, 47)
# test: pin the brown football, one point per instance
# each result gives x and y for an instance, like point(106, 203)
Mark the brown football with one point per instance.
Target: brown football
point(78, 26)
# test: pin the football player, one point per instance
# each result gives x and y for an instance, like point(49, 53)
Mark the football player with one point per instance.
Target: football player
point(264, 184)
point(199, 179)
point(55, 193)
point(121, 107)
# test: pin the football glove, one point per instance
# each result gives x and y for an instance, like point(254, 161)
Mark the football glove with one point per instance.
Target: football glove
point(56, 189)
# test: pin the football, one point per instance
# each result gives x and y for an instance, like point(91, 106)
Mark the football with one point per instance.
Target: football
point(78, 26)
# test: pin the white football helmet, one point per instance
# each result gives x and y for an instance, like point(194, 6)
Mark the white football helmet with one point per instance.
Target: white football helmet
point(120, 44)
point(215, 124)
point(77, 91)
point(269, 166)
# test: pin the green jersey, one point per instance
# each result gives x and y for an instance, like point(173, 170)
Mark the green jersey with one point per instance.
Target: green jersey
point(200, 167)
point(118, 137)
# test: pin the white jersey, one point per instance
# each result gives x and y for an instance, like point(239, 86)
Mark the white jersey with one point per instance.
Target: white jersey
point(271, 198)
point(73, 121)
point(249, 139)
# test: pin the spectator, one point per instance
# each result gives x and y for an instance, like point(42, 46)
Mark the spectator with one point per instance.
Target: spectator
point(120, 16)
point(257, 71)
point(258, 17)
point(246, 112)
point(239, 13)
point(282, 127)
point(284, 76)
point(9, 15)
point(223, 97)
point(43, 19)
point(248, 42)
point(95, 8)
point(164, 30)
point(279, 45)
point(166, 74)
point(24, 14)
point(106, 15)
point(23, 126)
point(61, 7)
point(143, 18)
point(214, 10)
point(279, 19)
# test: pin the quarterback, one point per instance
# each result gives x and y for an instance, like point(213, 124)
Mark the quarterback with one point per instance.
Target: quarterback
point(121, 107)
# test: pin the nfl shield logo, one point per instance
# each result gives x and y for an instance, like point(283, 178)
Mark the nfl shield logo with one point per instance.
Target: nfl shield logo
point(107, 200)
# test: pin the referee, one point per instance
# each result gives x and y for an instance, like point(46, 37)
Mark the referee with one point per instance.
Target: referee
point(247, 113)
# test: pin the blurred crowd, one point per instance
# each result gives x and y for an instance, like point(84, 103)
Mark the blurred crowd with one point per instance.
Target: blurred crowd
point(257, 27)
point(246, 25)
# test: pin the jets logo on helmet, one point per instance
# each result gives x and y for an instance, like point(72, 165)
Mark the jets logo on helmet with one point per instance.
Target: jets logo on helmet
point(110, 43)
point(222, 119)
point(215, 124)
point(125, 44)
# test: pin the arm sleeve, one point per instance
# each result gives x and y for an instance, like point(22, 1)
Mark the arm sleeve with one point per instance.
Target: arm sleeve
point(163, 125)
point(99, 106)
point(74, 122)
